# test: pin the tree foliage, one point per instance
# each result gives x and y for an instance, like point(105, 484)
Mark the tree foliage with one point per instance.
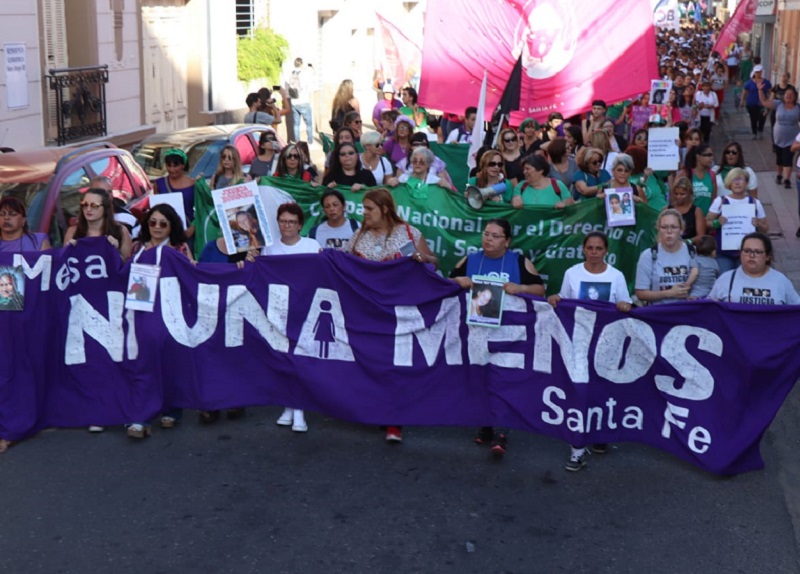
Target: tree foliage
point(261, 56)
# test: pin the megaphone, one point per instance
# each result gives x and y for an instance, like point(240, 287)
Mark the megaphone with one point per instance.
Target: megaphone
point(477, 196)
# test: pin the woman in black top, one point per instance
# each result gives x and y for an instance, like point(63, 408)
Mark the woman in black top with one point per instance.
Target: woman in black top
point(346, 169)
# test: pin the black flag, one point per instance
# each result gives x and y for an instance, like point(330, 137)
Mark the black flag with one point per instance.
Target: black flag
point(508, 103)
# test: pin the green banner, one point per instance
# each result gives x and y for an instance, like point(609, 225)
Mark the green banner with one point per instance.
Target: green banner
point(551, 238)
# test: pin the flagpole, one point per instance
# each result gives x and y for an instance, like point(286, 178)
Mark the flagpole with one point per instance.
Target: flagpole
point(476, 141)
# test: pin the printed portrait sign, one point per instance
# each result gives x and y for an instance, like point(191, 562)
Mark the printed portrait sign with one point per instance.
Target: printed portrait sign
point(486, 301)
point(12, 289)
point(242, 217)
point(620, 209)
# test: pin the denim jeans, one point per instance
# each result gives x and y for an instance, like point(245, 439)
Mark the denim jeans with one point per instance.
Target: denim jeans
point(303, 110)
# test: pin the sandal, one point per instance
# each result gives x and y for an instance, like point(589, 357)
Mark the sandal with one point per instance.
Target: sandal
point(168, 422)
point(5, 444)
point(208, 417)
point(138, 430)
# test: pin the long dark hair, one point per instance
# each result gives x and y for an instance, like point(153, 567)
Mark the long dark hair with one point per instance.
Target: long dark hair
point(739, 156)
point(110, 226)
point(177, 235)
point(335, 170)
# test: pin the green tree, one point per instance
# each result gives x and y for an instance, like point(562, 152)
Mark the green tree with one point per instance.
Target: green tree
point(261, 56)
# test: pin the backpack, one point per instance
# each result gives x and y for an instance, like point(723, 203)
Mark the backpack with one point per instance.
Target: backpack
point(294, 85)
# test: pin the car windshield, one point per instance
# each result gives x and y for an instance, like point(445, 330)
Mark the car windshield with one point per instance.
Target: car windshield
point(151, 159)
point(204, 158)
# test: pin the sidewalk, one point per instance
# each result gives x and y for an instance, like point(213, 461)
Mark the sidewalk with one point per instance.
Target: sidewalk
point(779, 203)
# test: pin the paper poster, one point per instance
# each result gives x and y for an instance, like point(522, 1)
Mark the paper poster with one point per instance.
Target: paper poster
point(486, 301)
point(12, 289)
point(739, 223)
point(242, 217)
point(663, 153)
point(174, 200)
point(142, 287)
point(639, 117)
point(659, 92)
point(620, 209)
point(16, 64)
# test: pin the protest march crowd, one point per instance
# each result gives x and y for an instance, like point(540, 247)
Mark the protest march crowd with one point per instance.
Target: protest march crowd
point(601, 155)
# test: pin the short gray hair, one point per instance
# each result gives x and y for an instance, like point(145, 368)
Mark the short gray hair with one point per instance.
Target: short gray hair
point(623, 159)
point(425, 152)
point(370, 138)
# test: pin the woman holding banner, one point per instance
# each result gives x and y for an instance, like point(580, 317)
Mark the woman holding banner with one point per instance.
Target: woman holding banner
point(290, 222)
point(665, 272)
point(346, 169)
point(96, 219)
point(384, 236)
point(14, 234)
point(161, 227)
point(539, 189)
point(755, 282)
point(596, 280)
point(520, 276)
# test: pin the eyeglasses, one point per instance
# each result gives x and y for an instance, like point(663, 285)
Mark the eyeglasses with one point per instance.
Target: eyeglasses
point(753, 252)
point(346, 153)
point(495, 164)
point(292, 156)
point(162, 223)
point(731, 152)
point(86, 204)
point(418, 144)
point(739, 180)
point(288, 222)
point(595, 162)
point(706, 154)
point(419, 160)
point(510, 140)
point(669, 227)
point(488, 235)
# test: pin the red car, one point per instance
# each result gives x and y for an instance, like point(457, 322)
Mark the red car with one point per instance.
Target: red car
point(50, 182)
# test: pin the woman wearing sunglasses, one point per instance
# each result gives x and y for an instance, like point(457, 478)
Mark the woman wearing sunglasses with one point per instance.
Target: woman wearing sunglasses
point(264, 163)
point(346, 169)
point(373, 159)
point(491, 172)
point(291, 166)
point(438, 167)
point(230, 170)
point(590, 177)
point(733, 157)
point(161, 227)
point(96, 219)
point(509, 146)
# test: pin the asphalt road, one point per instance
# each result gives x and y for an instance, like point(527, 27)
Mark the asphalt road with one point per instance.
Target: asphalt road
point(248, 496)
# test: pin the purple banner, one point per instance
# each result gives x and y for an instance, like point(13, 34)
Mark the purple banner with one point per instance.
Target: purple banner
point(382, 343)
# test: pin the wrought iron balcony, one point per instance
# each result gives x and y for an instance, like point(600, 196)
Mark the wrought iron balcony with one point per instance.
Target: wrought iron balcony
point(80, 96)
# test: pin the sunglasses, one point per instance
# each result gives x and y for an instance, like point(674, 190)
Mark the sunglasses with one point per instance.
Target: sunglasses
point(595, 162)
point(509, 140)
point(495, 164)
point(227, 157)
point(356, 122)
point(731, 152)
point(85, 204)
point(163, 224)
point(292, 156)
point(346, 153)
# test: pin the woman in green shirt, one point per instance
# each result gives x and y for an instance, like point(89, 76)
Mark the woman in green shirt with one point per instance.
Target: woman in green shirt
point(538, 189)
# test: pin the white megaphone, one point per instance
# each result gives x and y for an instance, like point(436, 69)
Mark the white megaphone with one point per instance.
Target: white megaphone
point(477, 196)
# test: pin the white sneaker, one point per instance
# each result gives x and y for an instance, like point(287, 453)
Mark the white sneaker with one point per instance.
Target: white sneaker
point(286, 418)
point(95, 428)
point(299, 421)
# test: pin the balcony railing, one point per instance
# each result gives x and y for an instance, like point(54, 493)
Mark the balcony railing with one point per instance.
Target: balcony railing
point(80, 95)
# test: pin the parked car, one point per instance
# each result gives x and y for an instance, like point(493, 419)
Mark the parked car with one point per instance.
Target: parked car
point(202, 145)
point(50, 182)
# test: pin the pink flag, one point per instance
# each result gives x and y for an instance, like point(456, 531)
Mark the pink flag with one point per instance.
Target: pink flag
point(573, 52)
point(741, 21)
point(401, 56)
